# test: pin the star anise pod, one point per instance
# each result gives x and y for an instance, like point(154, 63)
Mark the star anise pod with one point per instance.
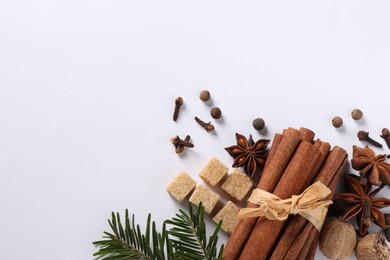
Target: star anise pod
point(248, 154)
point(370, 165)
point(362, 203)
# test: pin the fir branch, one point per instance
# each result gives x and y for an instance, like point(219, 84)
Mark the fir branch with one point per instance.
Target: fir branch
point(130, 243)
point(188, 240)
point(189, 231)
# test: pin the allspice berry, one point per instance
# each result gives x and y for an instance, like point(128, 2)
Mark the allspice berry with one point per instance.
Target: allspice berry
point(337, 121)
point(258, 124)
point(204, 95)
point(337, 239)
point(372, 247)
point(216, 113)
point(356, 114)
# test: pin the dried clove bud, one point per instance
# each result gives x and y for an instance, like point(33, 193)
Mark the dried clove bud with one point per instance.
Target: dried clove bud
point(216, 113)
point(356, 114)
point(180, 144)
point(363, 136)
point(208, 126)
point(178, 103)
point(371, 247)
point(337, 121)
point(204, 95)
point(386, 136)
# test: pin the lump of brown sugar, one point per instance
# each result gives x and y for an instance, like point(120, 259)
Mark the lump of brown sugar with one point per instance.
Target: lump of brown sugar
point(228, 215)
point(213, 172)
point(237, 185)
point(181, 186)
point(208, 198)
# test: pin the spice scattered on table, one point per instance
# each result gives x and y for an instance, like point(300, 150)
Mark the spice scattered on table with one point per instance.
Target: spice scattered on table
point(371, 167)
point(386, 136)
point(371, 247)
point(179, 144)
point(248, 154)
point(356, 114)
point(337, 239)
point(209, 127)
point(364, 136)
point(258, 124)
point(362, 203)
point(337, 121)
point(216, 113)
point(204, 95)
point(178, 103)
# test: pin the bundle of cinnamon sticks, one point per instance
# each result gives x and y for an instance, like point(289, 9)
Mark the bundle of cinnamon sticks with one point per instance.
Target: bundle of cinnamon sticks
point(295, 161)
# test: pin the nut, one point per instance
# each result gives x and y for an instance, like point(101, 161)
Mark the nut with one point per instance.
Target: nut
point(337, 239)
point(337, 121)
point(372, 247)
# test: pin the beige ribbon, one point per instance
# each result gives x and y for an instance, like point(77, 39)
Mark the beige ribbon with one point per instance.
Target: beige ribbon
point(309, 204)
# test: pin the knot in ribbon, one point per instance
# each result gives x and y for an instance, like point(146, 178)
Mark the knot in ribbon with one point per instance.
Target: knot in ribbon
point(310, 205)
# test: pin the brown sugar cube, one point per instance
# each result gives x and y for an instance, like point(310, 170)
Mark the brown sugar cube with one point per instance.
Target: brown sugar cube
point(228, 215)
point(181, 186)
point(237, 185)
point(208, 198)
point(213, 172)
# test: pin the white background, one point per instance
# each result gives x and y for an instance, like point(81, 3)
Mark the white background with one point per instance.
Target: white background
point(87, 91)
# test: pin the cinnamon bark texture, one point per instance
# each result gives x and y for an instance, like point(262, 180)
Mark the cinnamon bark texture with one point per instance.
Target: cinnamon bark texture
point(292, 182)
point(280, 153)
point(337, 161)
point(328, 173)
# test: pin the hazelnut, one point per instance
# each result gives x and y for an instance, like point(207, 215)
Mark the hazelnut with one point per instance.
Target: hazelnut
point(216, 113)
point(372, 247)
point(337, 239)
point(337, 121)
point(204, 95)
point(356, 114)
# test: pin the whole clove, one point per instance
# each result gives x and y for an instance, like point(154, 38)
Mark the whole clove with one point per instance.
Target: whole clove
point(208, 126)
point(178, 103)
point(180, 144)
point(386, 136)
point(363, 136)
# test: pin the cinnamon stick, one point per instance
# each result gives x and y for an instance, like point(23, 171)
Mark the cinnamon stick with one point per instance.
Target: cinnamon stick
point(327, 174)
point(310, 243)
point(291, 183)
point(279, 155)
point(308, 251)
point(309, 229)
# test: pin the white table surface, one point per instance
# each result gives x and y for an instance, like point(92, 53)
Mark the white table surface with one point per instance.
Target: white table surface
point(87, 91)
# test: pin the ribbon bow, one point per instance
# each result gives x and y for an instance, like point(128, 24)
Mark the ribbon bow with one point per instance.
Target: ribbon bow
point(309, 204)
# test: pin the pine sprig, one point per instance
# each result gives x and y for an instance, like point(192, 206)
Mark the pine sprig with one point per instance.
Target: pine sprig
point(130, 243)
point(186, 239)
point(189, 232)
